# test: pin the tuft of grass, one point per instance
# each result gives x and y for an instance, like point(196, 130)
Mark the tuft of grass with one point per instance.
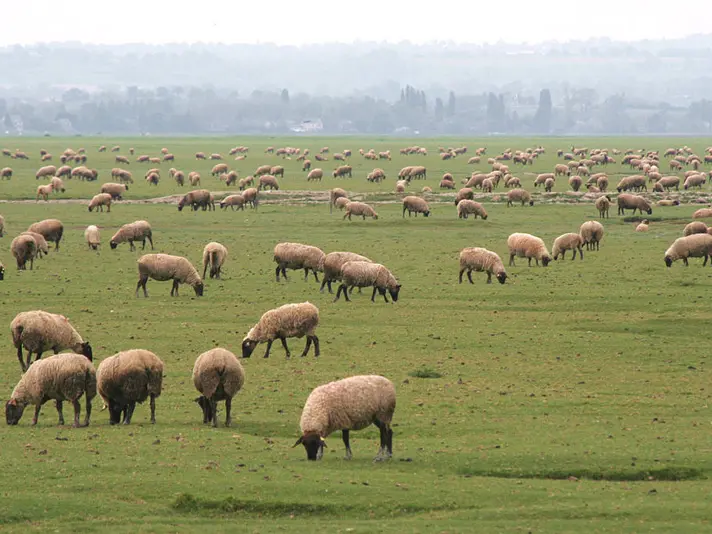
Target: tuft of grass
point(425, 372)
point(670, 474)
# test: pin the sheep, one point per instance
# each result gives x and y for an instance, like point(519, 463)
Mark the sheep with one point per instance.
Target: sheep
point(332, 264)
point(99, 201)
point(341, 202)
point(2, 225)
point(315, 174)
point(519, 195)
point(57, 184)
point(562, 170)
point(691, 246)
point(481, 260)
point(267, 181)
point(216, 156)
point(667, 182)
point(44, 172)
point(39, 331)
point(122, 159)
point(214, 255)
point(575, 183)
point(592, 233)
point(194, 178)
point(220, 168)
point(668, 202)
point(696, 227)
point(164, 267)
point(135, 231)
point(232, 201)
point(415, 205)
point(527, 246)
point(632, 182)
point(464, 193)
point(634, 202)
point(342, 171)
point(289, 320)
point(129, 377)
point(447, 184)
point(42, 248)
point(262, 169)
point(91, 235)
point(298, 256)
point(549, 185)
point(360, 208)
point(6, 173)
point(63, 377)
point(541, 179)
point(115, 190)
point(643, 226)
point(218, 375)
point(603, 205)
point(250, 196)
point(200, 155)
point(702, 213)
point(368, 274)
point(697, 180)
point(44, 191)
point(467, 207)
point(198, 198)
point(24, 249)
point(277, 170)
point(230, 178)
point(570, 241)
point(349, 404)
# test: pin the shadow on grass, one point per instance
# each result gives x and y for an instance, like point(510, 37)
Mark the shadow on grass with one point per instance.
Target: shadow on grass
point(189, 504)
point(670, 474)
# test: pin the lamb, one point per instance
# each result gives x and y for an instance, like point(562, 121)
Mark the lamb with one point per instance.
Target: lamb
point(44, 191)
point(99, 201)
point(24, 249)
point(415, 205)
point(643, 226)
point(298, 256)
point(42, 248)
point(349, 404)
point(129, 377)
point(232, 201)
point(198, 198)
point(214, 255)
point(250, 196)
point(575, 183)
point(696, 227)
point(481, 260)
point(566, 242)
point(691, 246)
point(527, 246)
point(333, 262)
point(267, 181)
point(163, 267)
point(290, 320)
point(359, 208)
point(218, 375)
point(634, 202)
point(115, 190)
point(57, 184)
point(51, 229)
point(334, 194)
point(135, 231)
point(63, 377)
point(368, 274)
point(91, 234)
point(194, 178)
point(467, 207)
point(592, 233)
point(6, 172)
point(603, 205)
point(519, 195)
point(39, 331)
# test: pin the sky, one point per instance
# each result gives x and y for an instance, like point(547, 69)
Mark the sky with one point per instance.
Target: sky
point(317, 21)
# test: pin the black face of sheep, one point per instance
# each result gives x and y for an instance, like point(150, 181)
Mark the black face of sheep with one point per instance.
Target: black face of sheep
point(248, 346)
point(115, 410)
point(668, 261)
point(531, 202)
point(2, 273)
point(86, 351)
point(426, 213)
point(13, 412)
point(649, 211)
point(199, 289)
point(113, 245)
point(502, 277)
point(314, 445)
point(180, 207)
point(394, 293)
point(545, 260)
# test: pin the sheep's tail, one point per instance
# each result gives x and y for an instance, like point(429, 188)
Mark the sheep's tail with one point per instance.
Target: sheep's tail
point(213, 262)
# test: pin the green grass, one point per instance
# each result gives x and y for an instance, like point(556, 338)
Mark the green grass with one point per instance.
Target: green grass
point(571, 398)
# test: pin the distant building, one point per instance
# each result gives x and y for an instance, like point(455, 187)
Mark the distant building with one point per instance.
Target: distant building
point(308, 126)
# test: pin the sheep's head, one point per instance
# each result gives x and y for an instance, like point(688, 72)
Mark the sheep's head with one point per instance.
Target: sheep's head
point(314, 445)
point(207, 408)
point(426, 213)
point(113, 244)
point(2, 272)
point(502, 277)
point(85, 349)
point(484, 217)
point(13, 411)
point(90, 208)
point(248, 347)
point(668, 261)
point(115, 410)
point(199, 288)
point(394, 292)
point(546, 260)
point(649, 211)
point(531, 202)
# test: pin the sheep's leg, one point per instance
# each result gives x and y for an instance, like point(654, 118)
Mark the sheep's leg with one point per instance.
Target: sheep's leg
point(269, 346)
point(511, 260)
point(563, 255)
point(373, 295)
point(138, 285)
point(383, 292)
point(345, 437)
point(315, 276)
point(132, 247)
point(77, 413)
point(530, 262)
point(228, 410)
point(37, 413)
point(315, 340)
point(87, 417)
point(324, 281)
point(489, 277)
point(284, 344)
point(153, 409)
point(461, 273)
point(306, 274)
point(128, 412)
point(580, 250)
point(20, 357)
point(214, 407)
point(685, 262)
point(150, 240)
point(58, 404)
point(174, 289)
point(306, 349)
point(276, 272)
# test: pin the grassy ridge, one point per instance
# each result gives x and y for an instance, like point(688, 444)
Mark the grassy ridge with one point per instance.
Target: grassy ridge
point(572, 397)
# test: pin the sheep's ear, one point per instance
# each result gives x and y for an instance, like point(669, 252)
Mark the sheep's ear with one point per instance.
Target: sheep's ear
point(196, 399)
point(12, 402)
point(300, 440)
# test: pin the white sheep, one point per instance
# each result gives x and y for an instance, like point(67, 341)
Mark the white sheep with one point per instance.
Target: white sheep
point(527, 246)
point(164, 267)
point(570, 241)
point(467, 207)
point(24, 249)
point(368, 274)
point(218, 375)
point(413, 204)
point(349, 404)
point(290, 320)
point(643, 226)
point(51, 229)
point(63, 377)
point(333, 262)
point(696, 227)
point(99, 201)
point(592, 233)
point(603, 205)
point(214, 255)
point(360, 208)
point(91, 235)
point(691, 246)
point(519, 195)
point(135, 231)
point(482, 260)
point(298, 256)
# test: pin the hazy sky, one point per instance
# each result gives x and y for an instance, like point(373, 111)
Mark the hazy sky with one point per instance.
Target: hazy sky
point(311, 21)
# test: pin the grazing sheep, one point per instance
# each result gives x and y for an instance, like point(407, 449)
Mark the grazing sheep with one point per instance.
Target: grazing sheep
point(127, 378)
point(63, 377)
point(290, 320)
point(220, 168)
point(482, 260)
point(447, 184)
point(6, 173)
point(232, 201)
point(24, 249)
point(415, 205)
point(135, 231)
point(468, 207)
point(198, 198)
point(527, 246)
point(298, 256)
point(57, 184)
point(164, 267)
point(603, 204)
point(44, 172)
point(315, 174)
point(250, 196)
point(464, 193)
point(44, 191)
point(643, 226)
point(39, 331)
point(42, 248)
point(341, 202)
point(277, 170)
point(634, 202)
point(262, 169)
point(218, 375)
point(566, 242)
point(349, 404)
point(122, 159)
point(267, 181)
point(632, 182)
point(696, 180)
point(696, 227)
point(360, 208)
point(115, 190)
point(99, 201)
point(691, 246)
point(194, 178)
point(368, 274)
point(592, 233)
point(214, 255)
point(333, 262)
point(519, 195)
point(343, 170)
point(666, 183)
point(91, 235)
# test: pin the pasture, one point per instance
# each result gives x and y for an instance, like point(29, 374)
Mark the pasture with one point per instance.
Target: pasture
point(571, 398)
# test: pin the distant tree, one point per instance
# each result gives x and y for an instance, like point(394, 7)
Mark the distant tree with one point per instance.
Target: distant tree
point(439, 110)
point(542, 118)
point(284, 97)
point(451, 105)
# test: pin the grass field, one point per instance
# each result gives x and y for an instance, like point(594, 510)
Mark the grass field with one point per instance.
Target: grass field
point(571, 398)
